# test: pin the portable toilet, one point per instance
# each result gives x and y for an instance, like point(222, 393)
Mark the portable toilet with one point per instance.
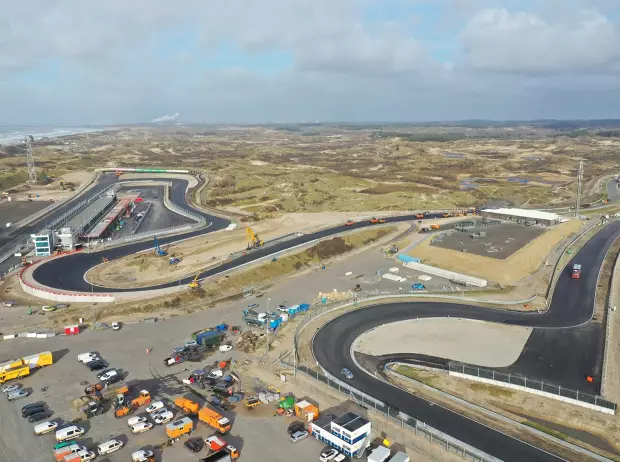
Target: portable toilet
point(293, 310)
point(304, 307)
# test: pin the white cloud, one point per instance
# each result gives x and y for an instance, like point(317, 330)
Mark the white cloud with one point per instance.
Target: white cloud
point(166, 118)
point(523, 42)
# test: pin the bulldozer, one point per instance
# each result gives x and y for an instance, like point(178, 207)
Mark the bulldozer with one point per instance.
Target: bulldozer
point(126, 406)
point(254, 240)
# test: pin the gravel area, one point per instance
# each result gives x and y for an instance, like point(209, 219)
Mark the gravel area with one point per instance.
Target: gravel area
point(475, 342)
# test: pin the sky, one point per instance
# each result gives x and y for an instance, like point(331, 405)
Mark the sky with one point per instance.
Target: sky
point(76, 62)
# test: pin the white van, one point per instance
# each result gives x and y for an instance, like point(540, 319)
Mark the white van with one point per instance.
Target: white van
point(45, 427)
point(69, 433)
point(109, 447)
point(86, 357)
point(141, 427)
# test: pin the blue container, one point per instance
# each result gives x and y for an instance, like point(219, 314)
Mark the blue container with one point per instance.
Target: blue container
point(221, 327)
point(207, 338)
point(407, 258)
point(304, 307)
point(292, 310)
point(275, 323)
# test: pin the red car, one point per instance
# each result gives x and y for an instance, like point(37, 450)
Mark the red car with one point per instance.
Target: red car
point(349, 223)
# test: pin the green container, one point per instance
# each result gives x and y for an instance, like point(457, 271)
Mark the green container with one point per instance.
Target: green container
point(287, 403)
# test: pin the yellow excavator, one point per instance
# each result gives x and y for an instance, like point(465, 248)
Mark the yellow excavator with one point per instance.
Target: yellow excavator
point(254, 240)
point(194, 284)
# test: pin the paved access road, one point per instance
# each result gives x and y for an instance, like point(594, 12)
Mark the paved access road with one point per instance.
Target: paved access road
point(572, 305)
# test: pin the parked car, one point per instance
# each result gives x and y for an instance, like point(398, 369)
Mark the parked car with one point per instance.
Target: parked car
point(11, 388)
point(38, 417)
point(328, 454)
point(298, 436)
point(154, 406)
point(48, 308)
point(97, 365)
point(114, 379)
point(135, 420)
point(109, 447)
point(33, 410)
point(347, 373)
point(116, 325)
point(85, 358)
point(195, 444)
point(27, 408)
point(225, 348)
point(107, 374)
point(86, 455)
point(296, 427)
point(141, 455)
point(141, 427)
point(45, 427)
point(15, 395)
point(163, 417)
point(283, 308)
point(62, 305)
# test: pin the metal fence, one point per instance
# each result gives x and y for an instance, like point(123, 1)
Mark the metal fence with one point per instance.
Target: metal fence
point(374, 405)
point(530, 383)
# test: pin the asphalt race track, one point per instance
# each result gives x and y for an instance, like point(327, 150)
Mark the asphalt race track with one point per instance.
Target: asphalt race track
point(571, 306)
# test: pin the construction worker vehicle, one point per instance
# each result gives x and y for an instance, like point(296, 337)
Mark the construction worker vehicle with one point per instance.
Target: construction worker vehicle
point(251, 402)
point(187, 406)
point(214, 420)
point(158, 250)
point(22, 367)
point(194, 284)
point(349, 223)
point(374, 220)
point(253, 239)
point(218, 445)
point(126, 406)
point(180, 427)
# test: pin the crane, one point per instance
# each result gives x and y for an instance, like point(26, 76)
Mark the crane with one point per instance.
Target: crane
point(254, 240)
point(158, 250)
point(194, 284)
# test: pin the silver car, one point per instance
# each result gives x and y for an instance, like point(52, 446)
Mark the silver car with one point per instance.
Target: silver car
point(17, 395)
point(298, 436)
point(11, 388)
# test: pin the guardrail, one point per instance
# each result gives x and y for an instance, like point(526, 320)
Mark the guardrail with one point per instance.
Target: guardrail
point(533, 386)
point(610, 303)
point(180, 210)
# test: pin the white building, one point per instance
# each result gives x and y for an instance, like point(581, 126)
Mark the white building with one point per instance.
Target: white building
point(349, 434)
point(536, 216)
point(43, 243)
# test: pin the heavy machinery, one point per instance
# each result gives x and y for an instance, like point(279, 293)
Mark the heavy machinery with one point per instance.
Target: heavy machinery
point(22, 367)
point(253, 239)
point(25, 261)
point(104, 260)
point(126, 406)
point(158, 250)
point(118, 174)
point(194, 284)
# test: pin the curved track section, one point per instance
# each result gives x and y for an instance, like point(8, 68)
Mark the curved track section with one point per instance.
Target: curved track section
point(572, 305)
point(67, 273)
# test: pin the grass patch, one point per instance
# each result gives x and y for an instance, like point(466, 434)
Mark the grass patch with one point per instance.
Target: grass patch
point(546, 430)
point(497, 392)
point(427, 378)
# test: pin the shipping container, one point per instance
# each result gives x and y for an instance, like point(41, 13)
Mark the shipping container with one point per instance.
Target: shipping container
point(407, 258)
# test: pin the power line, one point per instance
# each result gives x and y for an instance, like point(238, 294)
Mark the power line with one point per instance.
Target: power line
point(579, 181)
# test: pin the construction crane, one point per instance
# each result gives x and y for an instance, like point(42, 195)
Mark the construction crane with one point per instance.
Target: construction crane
point(158, 250)
point(254, 240)
point(194, 284)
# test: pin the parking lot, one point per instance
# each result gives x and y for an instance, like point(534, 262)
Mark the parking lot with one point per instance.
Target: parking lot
point(258, 435)
point(500, 241)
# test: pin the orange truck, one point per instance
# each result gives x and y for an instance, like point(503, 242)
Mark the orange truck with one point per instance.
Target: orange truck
point(435, 226)
point(214, 420)
point(60, 453)
point(215, 443)
point(180, 427)
point(187, 406)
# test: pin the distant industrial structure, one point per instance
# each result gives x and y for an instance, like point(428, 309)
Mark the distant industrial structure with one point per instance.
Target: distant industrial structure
point(32, 174)
point(528, 217)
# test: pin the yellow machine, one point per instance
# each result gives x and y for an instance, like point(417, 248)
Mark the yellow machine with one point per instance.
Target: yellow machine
point(194, 284)
point(254, 240)
point(14, 373)
point(32, 361)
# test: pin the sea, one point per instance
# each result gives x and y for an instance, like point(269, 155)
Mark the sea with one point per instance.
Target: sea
point(15, 135)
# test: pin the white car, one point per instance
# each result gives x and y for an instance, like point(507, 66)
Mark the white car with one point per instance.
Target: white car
point(216, 374)
point(87, 357)
point(135, 420)
point(108, 375)
point(163, 417)
point(141, 427)
point(45, 427)
point(48, 308)
point(328, 454)
point(225, 348)
point(11, 388)
point(86, 456)
point(116, 325)
point(141, 456)
point(154, 406)
point(191, 343)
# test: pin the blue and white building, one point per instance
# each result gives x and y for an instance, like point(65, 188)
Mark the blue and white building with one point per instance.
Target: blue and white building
point(349, 434)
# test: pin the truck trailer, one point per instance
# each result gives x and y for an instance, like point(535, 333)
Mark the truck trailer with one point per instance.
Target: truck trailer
point(576, 274)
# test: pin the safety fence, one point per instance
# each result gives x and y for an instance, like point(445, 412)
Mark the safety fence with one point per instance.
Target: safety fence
point(39, 214)
point(372, 404)
point(611, 300)
point(563, 393)
point(181, 210)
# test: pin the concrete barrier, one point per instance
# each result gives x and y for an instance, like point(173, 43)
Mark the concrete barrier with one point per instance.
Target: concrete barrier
point(451, 275)
point(533, 391)
point(8, 336)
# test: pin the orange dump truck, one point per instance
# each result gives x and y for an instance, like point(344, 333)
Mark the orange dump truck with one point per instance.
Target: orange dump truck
point(180, 427)
point(187, 406)
point(214, 420)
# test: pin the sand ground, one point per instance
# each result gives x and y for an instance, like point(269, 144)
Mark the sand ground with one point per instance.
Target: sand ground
point(52, 191)
point(516, 267)
point(475, 342)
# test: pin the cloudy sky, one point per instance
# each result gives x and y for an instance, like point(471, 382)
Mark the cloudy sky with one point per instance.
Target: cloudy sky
point(68, 62)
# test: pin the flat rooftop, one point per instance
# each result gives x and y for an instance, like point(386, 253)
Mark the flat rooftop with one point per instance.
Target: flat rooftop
point(350, 421)
point(523, 213)
point(86, 215)
point(103, 224)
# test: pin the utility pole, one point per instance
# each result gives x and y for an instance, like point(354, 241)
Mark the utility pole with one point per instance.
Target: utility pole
point(32, 174)
point(579, 181)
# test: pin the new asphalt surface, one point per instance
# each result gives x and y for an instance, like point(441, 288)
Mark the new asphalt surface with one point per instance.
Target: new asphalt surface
point(571, 309)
